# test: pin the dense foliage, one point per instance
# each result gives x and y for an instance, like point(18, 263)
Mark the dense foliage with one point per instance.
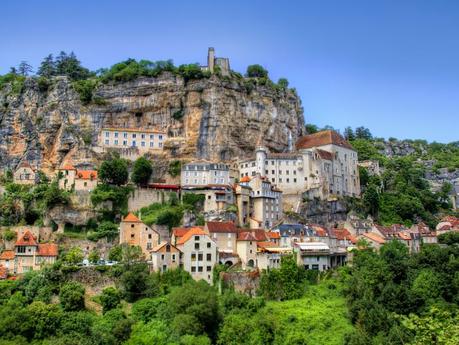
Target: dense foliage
point(398, 298)
point(142, 171)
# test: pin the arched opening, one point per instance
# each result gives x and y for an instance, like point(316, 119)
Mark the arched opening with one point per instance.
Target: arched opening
point(251, 263)
point(229, 263)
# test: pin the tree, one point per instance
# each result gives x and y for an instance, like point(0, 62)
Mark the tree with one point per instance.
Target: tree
point(71, 296)
point(114, 171)
point(24, 68)
point(110, 299)
point(47, 67)
point(105, 229)
point(311, 129)
point(349, 134)
point(74, 256)
point(115, 253)
point(371, 200)
point(142, 171)
point(283, 83)
point(256, 71)
point(363, 133)
point(94, 256)
point(70, 66)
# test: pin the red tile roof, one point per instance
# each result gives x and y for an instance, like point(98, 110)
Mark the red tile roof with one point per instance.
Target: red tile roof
point(191, 233)
point(259, 234)
point(263, 244)
point(27, 239)
point(246, 236)
point(131, 218)
point(48, 249)
point(87, 174)
point(374, 237)
point(273, 234)
point(7, 255)
point(68, 167)
point(180, 232)
point(322, 138)
point(221, 227)
point(325, 154)
point(341, 234)
point(245, 179)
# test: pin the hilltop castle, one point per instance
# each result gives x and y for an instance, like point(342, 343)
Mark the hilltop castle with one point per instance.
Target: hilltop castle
point(212, 62)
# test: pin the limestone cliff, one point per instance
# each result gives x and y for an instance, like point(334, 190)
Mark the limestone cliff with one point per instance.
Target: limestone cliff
point(212, 118)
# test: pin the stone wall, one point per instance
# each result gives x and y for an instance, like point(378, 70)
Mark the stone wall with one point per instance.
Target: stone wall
point(142, 197)
point(243, 282)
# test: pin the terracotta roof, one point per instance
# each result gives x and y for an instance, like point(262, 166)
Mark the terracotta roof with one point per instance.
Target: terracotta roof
point(180, 232)
point(7, 255)
point(322, 138)
point(47, 249)
point(221, 227)
point(325, 154)
point(27, 239)
point(245, 179)
point(68, 167)
point(191, 233)
point(87, 174)
point(341, 234)
point(273, 234)
point(246, 236)
point(259, 234)
point(374, 237)
point(131, 218)
point(264, 244)
point(320, 231)
point(404, 236)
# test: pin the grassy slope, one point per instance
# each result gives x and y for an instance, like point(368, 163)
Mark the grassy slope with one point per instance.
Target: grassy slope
point(320, 317)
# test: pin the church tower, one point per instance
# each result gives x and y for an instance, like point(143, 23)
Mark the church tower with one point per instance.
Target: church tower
point(211, 59)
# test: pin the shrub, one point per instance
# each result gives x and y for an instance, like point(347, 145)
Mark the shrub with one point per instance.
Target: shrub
point(110, 299)
point(175, 168)
point(256, 71)
point(85, 89)
point(9, 235)
point(142, 171)
point(114, 171)
point(71, 296)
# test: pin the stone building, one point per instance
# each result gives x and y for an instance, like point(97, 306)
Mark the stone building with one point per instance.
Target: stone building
point(213, 61)
point(323, 165)
point(24, 174)
point(135, 233)
point(165, 256)
point(78, 180)
point(28, 254)
point(200, 254)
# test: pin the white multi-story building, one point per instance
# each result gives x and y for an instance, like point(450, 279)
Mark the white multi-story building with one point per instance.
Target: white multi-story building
point(205, 173)
point(324, 164)
point(142, 139)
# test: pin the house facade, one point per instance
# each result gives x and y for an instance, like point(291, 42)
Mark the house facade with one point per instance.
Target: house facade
point(78, 180)
point(24, 174)
point(166, 256)
point(135, 233)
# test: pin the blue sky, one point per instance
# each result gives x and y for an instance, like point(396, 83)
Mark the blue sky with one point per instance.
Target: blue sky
point(392, 66)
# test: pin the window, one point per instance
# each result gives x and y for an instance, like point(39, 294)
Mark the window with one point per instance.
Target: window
point(107, 134)
point(116, 134)
point(134, 135)
point(196, 238)
point(173, 257)
point(280, 172)
point(21, 249)
point(200, 269)
point(208, 245)
point(152, 136)
point(107, 142)
point(193, 257)
point(209, 268)
point(132, 235)
point(125, 142)
point(133, 143)
point(151, 143)
point(124, 135)
point(200, 257)
point(149, 236)
point(209, 257)
point(160, 137)
point(143, 136)
point(288, 180)
point(193, 269)
point(132, 225)
point(162, 256)
point(160, 144)
point(116, 141)
point(85, 184)
point(196, 246)
point(143, 144)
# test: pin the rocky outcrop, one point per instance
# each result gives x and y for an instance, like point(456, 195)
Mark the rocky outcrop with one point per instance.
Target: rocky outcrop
point(212, 118)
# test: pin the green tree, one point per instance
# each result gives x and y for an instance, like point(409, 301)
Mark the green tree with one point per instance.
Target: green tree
point(115, 253)
point(283, 83)
point(74, 256)
point(371, 200)
point(71, 296)
point(310, 128)
point(114, 171)
point(256, 71)
point(142, 171)
point(47, 67)
point(94, 256)
point(110, 299)
point(24, 69)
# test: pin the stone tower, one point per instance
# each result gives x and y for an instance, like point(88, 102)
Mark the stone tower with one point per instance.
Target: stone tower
point(211, 59)
point(261, 154)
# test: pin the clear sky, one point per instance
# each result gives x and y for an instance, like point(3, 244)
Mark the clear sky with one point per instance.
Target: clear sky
point(392, 66)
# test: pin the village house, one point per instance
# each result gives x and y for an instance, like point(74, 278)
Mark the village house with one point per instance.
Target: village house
point(269, 255)
point(375, 240)
point(77, 180)
point(224, 234)
point(28, 254)
point(247, 249)
point(313, 255)
point(135, 233)
point(265, 202)
point(25, 174)
point(323, 165)
point(166, 256)
point(200, 254)
point(144, 140)
point(243, 192)
point(211, 180)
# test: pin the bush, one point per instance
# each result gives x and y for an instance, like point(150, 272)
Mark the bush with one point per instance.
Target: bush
point(114, 171)
point(9, 235)
point(71, 296)
point(175, 168)
point(74, 256)
point(142, 171)
point(256, 71)
point(110, 299)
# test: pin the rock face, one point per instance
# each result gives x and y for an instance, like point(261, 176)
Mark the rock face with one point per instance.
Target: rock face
point(212, 118)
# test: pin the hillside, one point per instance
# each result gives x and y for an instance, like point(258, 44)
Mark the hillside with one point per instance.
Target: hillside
point(50, 119)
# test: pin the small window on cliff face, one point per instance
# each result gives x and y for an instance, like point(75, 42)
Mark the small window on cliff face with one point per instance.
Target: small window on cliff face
point(138, 114)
